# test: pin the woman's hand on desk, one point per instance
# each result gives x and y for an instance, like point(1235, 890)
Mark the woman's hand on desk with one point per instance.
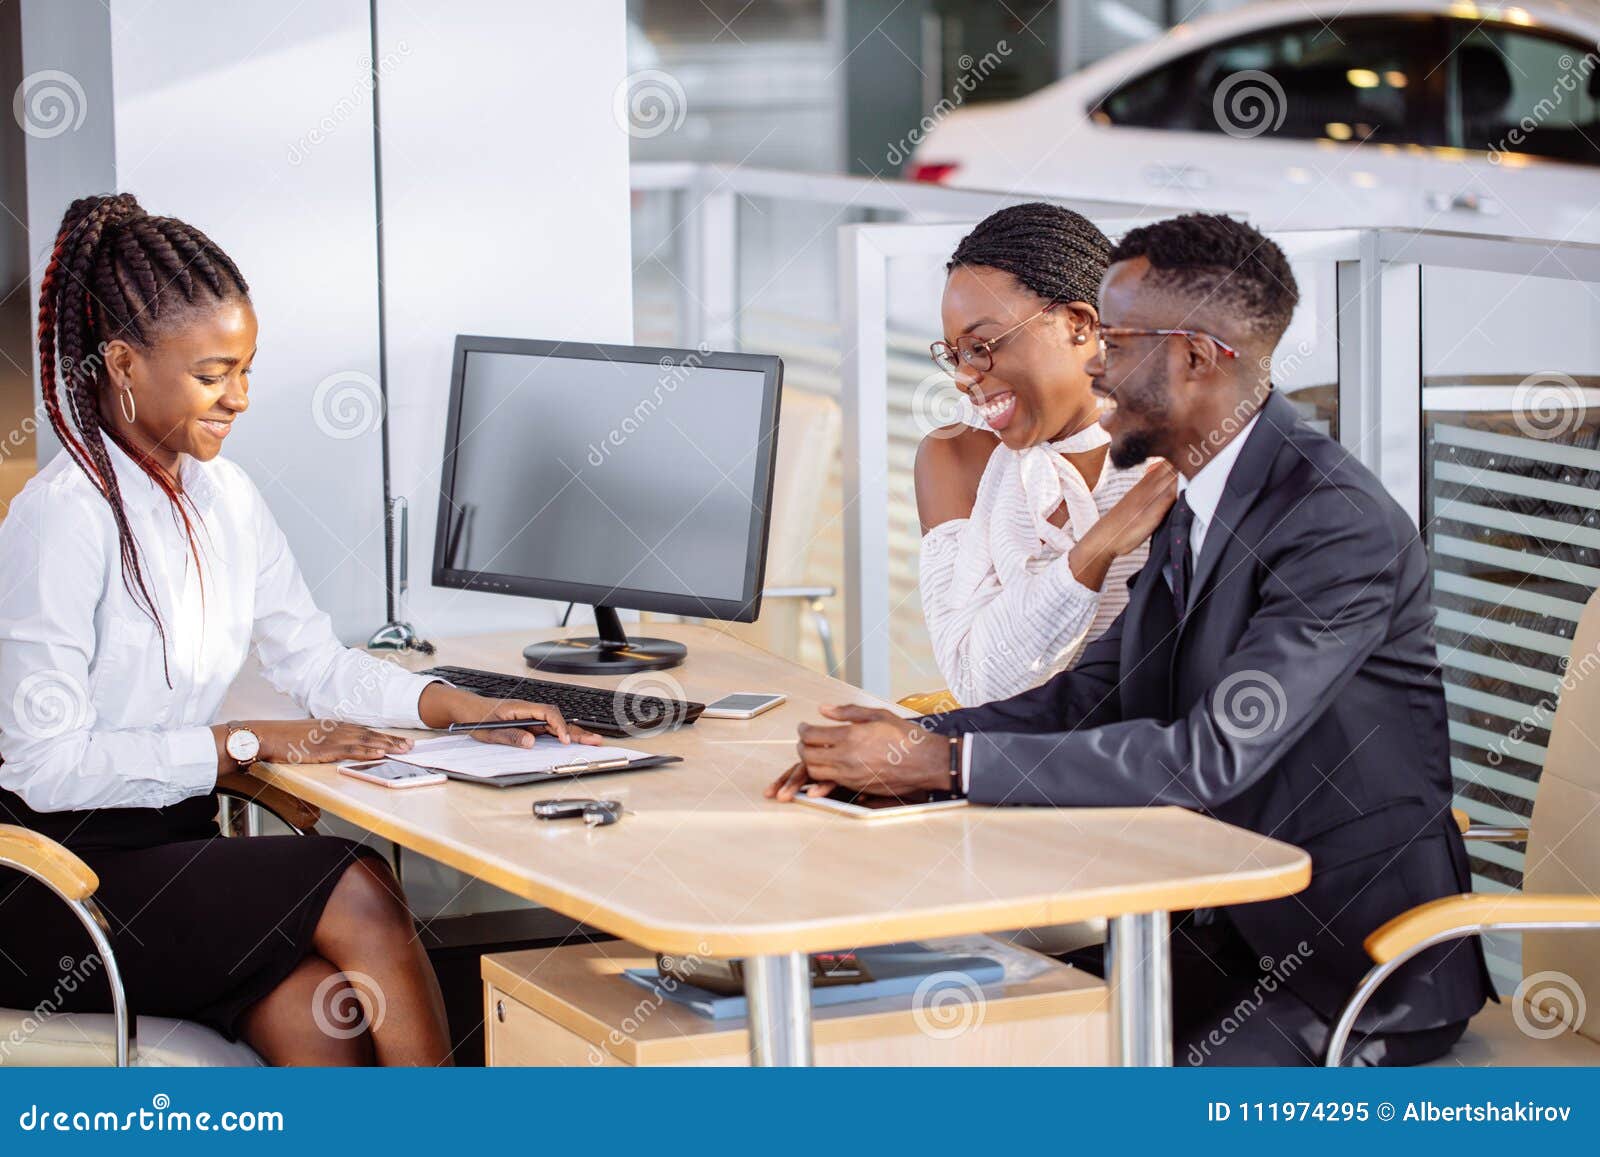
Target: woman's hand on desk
point(441, 705)
point(312, 741)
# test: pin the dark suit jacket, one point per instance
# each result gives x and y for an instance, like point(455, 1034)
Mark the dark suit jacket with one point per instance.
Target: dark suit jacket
point(1300, 698)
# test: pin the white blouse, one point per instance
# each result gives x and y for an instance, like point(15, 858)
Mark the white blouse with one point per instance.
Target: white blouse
point(1002, 606)
point(87, 718)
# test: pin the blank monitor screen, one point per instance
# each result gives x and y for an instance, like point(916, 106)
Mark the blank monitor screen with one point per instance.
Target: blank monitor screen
point(591, 471)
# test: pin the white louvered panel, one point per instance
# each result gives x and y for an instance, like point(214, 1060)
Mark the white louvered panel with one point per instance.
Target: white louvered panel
point(1493, 668)
point(1533, 753)
point(1501, 558)
point(1502, 595)
point(1513, 709)
point(1530, 526)
point(1519, 484)
point(1556, 646)
point(1487, 813)
point(1495, 780)
point(1501, 854)
point(1533, 449)
point(1513, 526)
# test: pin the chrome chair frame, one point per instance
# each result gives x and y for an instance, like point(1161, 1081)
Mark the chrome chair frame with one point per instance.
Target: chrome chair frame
point(1380, 972)
point(93, 918)
point(813, 597)
point(1373, 980)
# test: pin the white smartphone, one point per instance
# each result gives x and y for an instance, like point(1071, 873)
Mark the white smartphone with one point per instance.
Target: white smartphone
point(742, 705)
point(391, 773)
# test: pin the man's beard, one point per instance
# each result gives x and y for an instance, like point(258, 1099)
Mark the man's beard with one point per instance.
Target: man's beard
point(1132, 450)
point(1150, 398)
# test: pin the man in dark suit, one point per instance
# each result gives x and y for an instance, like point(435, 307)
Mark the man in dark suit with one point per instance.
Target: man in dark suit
point(1274, 668)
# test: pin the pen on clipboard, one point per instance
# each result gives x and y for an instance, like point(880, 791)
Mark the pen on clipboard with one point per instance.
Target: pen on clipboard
point(495, 725)
point(593, 764)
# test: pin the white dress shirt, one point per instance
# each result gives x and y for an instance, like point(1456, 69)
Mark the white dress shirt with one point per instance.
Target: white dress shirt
point(1204, 490)
point(87, 717)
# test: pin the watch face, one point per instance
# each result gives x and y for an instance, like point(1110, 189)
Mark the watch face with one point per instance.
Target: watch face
point(243, 745)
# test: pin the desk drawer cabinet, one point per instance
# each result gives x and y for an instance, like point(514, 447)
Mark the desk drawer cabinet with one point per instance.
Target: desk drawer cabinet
point(572, 1007)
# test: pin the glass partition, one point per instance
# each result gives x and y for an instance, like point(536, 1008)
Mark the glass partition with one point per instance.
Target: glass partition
point(1511, 501)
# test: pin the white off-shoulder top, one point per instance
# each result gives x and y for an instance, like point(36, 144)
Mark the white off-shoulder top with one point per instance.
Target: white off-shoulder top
point(1002, 606)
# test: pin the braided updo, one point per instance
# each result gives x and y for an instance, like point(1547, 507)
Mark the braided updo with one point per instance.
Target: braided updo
point(1055, 253)
point(118, 273)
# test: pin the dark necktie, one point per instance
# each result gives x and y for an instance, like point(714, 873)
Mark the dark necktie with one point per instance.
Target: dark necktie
point(1179, 525)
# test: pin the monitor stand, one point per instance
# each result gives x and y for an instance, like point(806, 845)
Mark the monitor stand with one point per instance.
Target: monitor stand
point(609, 653)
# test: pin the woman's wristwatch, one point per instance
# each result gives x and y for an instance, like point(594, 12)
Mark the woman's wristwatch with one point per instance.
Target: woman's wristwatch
point(242, 745)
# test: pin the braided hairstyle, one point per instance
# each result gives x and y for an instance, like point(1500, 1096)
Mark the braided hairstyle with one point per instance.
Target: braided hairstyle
point(118, 273)
point(1055, 253)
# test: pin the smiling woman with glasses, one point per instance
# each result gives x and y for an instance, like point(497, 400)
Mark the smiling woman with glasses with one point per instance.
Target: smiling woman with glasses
point(1029, 534)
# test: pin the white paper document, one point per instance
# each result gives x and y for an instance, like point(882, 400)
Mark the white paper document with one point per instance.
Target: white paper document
point(467, 756)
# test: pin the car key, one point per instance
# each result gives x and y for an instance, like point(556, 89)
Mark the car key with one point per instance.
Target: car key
point(560, 809)
point(595, 812)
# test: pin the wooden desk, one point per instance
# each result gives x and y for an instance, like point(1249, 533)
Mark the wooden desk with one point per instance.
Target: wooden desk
point(702, 864)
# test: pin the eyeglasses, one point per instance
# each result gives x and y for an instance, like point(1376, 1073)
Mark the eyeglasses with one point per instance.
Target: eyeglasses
point(975, 352)
point(1116, 331)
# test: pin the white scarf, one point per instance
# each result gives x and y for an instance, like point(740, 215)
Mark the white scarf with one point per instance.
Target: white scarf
point(1033, 484)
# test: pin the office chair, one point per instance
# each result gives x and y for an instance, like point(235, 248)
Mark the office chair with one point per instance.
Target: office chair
point(1547, 1021)
point(34, 1038)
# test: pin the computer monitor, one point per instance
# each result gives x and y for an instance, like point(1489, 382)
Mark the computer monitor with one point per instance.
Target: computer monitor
point(618, 476)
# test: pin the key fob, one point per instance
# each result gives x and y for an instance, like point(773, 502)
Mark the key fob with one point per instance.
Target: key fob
point(561, 809)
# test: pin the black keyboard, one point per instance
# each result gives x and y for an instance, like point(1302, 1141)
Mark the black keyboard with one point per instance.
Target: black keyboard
point(603, 712)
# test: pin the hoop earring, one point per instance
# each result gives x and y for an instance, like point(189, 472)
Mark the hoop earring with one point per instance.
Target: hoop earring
point(129, 410)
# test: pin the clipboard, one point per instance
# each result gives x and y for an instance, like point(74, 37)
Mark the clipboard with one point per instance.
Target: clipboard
point(577, 769)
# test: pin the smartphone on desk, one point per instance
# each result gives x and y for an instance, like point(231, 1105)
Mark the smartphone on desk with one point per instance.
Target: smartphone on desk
point(742, 705)
point(861, 806)
point(392, 773)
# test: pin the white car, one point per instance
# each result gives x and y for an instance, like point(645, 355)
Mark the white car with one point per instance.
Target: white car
point(1317, 113)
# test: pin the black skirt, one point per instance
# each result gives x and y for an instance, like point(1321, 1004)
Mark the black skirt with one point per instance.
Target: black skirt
point(202, 927)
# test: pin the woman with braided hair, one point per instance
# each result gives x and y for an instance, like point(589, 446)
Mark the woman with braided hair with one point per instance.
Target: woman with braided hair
point(140, 568)
point(1029, 534)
